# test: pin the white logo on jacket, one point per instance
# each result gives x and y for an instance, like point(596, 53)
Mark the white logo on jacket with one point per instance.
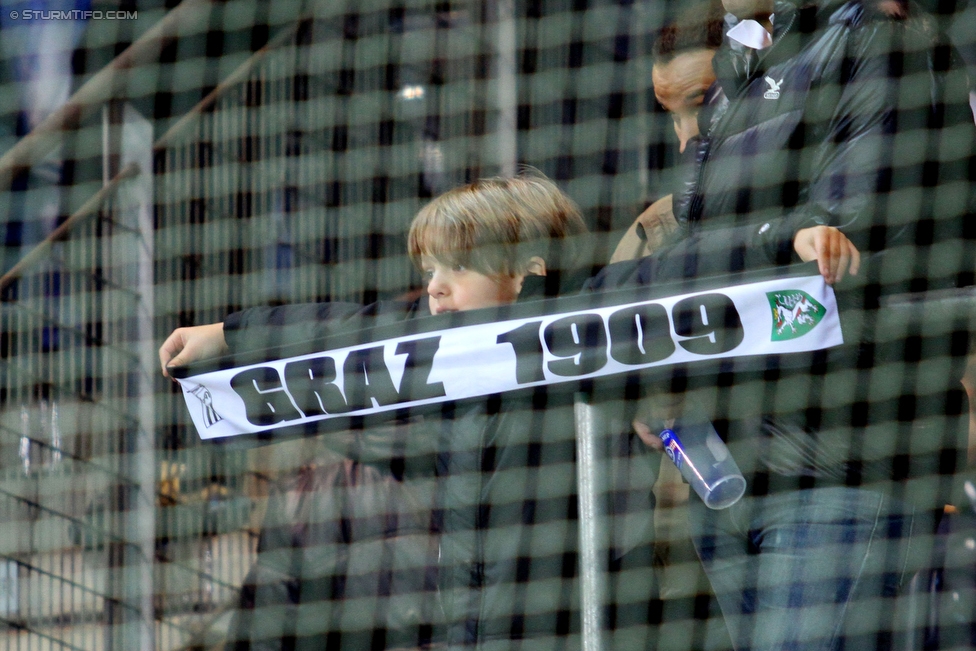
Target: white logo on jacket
point(774, 86)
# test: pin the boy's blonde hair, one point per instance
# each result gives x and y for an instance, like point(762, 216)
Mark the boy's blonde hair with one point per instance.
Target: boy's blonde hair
point(494, 226)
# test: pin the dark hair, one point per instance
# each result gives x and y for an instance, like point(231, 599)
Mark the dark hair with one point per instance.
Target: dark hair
point(700, 26)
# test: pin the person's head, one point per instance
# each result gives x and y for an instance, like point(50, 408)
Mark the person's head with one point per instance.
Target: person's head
point(680, 85)
point(476, 244)
point(682, 71)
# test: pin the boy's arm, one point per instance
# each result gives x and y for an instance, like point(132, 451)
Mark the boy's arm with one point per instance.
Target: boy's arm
point(268, 327)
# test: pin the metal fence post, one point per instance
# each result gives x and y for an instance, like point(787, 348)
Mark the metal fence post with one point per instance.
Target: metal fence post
point(591, 480)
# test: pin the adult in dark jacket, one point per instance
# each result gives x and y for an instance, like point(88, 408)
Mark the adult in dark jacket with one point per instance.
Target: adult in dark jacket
point(851, 114)
point(684, 81)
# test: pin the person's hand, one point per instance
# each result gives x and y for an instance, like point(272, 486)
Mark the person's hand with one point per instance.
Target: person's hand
point(187, 345)
point(645, 434)
point(658, 407)
point(836, 256)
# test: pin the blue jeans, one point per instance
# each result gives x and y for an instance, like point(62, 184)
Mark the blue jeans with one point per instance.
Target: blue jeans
point(808, 570)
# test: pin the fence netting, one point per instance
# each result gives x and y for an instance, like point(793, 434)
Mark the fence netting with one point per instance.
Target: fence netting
point(166, 164)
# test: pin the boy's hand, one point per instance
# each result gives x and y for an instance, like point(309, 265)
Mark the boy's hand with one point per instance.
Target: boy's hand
point(836, 256)
point(187, 345)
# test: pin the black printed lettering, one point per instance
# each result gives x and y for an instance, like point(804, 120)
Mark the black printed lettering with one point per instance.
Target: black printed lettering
point(528, 352)
point(710, 323)
point(640, 334)
point(311, 383)
point(365, 376)
point(416, 373)
point(581, 342)
point(264, 396)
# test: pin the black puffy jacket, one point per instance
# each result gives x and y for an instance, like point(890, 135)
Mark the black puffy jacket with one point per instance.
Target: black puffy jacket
point(853, 118)
point(857, 116)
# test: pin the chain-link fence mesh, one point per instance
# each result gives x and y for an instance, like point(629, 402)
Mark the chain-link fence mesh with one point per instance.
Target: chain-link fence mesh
point(166, 164)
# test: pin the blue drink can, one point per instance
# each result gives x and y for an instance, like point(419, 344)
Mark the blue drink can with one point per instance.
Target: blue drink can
point(672, 447)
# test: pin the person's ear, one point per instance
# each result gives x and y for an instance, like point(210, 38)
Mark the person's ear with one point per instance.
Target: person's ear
point(536, 266)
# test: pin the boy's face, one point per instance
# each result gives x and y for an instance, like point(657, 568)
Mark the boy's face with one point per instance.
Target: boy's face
point(680, 86)
point(456, 288)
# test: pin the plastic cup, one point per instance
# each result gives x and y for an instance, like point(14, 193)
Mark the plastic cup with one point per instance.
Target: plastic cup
point(705, 462)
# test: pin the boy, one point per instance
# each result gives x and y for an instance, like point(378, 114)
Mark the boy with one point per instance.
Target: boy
point(475, 246)
point(466, 505)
